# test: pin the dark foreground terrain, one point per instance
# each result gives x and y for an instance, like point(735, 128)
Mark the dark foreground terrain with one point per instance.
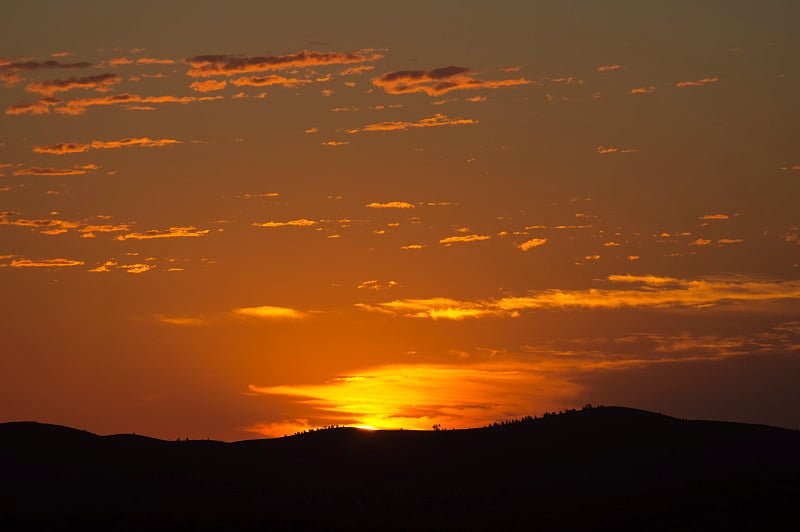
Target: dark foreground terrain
point(602, 468)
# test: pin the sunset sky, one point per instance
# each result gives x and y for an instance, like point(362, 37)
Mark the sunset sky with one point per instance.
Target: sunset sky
point(243, 219)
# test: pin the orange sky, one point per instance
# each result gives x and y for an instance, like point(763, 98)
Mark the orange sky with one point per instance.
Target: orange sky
point(231, 220)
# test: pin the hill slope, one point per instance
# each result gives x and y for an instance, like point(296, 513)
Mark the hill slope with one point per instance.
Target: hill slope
point(600, 468)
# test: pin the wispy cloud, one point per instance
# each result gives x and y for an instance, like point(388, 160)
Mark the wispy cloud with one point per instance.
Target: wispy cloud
point(390, 205)
point(435, 121)
point(696, 83)
point(605, 150)
point(71, 147)
point(229, 65)
point(9, 71)
point(608, 68)
point(265, 81)
point(643, 90)
point(80, 106)
point(48, 171)
point(439, 81)
point(532, 243)
point(39, 107)
point(301, 222)
point(463, 239)
point(271, 313)
point(182, 321)
point(208, 85)
point(172, 232)
point(45, 263)
point(100, 82)
point(642, 291)
point(715, 217)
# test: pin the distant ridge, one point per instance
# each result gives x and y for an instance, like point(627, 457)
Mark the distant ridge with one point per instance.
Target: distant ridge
point(597, 468)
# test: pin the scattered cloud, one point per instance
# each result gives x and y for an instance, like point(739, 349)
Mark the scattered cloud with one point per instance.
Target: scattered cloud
point(439, 81)
point(334, 143)
point(390, 205)
point(172, 232)
point(532, 243)
point(264, 81)
point(47, 171)
point(229, 65)
point(182, 321)
point(269, 312)
point(374, 284)
point(45, 263)
point(99, 82)
point(437, 120)
point(696, 83)
point(71, 147)
point(642, 291)
point(80, 106)
point(608, 68)
point(715, 217)
point(39, 107)
point(463, 239)
point(605, 150)
point(208, 85)
point(643, 90)
point(302, 222)
point(9, 71)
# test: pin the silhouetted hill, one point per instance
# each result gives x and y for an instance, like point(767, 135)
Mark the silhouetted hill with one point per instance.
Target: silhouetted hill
point(598, 468)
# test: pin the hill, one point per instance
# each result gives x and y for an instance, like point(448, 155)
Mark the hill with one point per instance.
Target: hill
point(598, 468)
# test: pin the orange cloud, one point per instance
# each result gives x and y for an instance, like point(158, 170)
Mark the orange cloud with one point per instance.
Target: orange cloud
point(172, 232)
point(39, 107)
point(463, 239)
point(142, 142)
point(360, 69)
point(644, 291)
point(208, 85)
point(415, 396)
point(724, 241)
point(435, 121)
point(696, 83)
point(334, 143)
point(45, 263)
point(183, 321)
point(228, 65)
point(605, 150)
point(390, 205)
point(439, 81)
point(643, 90)
point(269, 312)
point(715, 217)
point(302, 222)
point(608, 68)
point(77, 107)
point(53, 86)
point(532, 243)
point(9, 71)
point(154, 61)
point(39, 170)
point(263, 81)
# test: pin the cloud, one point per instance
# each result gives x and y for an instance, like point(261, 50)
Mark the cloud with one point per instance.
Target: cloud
point(182, 321)
point(605, 150)
point(9, 72)
point(45, 263)
point(643, 291)
point(272, 313)
point(229, 65)
point(99, 82)
point(437, 120)
point(532, 243)
point(172, 232)
point(724, 241)
point(77, 107)
point(141, 142)
point(360, 69)
point(412, 246)
point(334, 143)
point(415, 396)
point(374, 284)
point(439, 81)
point(390, 205)
point(47, 171)
point(701, 242)
point(39, 107)
point(463, 238)
point(154, 61)
point(715, 217)
point(302, 222)
point(608, 68)
point(208, 85)
point(643, 90)
point(264, 81)
point(696, 83)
